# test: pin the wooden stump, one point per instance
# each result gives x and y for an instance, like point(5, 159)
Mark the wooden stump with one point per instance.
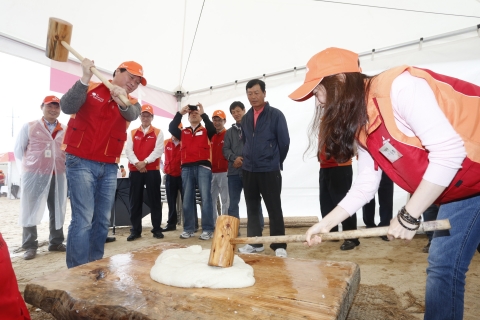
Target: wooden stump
point(223, 252)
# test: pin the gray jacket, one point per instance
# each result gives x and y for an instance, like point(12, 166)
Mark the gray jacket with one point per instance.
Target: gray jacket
point(232, 148)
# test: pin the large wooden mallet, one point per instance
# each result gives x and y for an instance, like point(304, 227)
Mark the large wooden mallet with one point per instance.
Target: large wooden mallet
point(226, 231)
point(58, 46)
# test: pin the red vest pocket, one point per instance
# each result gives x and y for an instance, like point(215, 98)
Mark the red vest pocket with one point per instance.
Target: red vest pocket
point(74, 137)
point(115, 143)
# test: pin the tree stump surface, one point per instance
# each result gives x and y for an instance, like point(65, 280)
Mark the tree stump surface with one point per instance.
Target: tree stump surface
point(120, 287)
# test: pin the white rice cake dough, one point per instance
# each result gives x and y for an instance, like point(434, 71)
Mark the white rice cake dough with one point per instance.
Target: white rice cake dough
point(188, 268)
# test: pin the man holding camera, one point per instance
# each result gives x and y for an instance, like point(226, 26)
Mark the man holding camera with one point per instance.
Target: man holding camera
point(196, 167)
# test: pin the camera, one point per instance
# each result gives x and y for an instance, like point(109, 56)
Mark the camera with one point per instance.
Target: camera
point(192, 107)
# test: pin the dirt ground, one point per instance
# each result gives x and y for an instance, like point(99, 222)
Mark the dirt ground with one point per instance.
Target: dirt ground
point(392, 273)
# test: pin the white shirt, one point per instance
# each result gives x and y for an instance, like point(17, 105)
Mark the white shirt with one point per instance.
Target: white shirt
point(154, 155)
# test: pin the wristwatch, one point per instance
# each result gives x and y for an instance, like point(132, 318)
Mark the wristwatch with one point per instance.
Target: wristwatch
point(146, 162)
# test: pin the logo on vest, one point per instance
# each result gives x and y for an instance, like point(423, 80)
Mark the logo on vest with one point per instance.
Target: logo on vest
point(97, 97)
point(150, 137)
point(138, 138)
point(169, 148)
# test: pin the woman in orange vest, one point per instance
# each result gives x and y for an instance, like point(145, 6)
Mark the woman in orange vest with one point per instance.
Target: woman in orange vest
point(421, 129)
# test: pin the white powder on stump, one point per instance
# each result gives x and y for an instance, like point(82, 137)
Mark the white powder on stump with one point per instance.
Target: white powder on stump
point(188, 268)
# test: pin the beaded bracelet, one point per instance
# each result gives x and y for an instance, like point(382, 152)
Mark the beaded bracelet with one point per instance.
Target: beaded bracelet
point(407, 217)
point(411, 229)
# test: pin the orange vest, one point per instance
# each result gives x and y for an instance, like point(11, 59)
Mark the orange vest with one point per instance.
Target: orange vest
point(143, 145)
point(195, 145)
point(219, 163)
point(172, 164)
point(459, 101)
point(97, 131)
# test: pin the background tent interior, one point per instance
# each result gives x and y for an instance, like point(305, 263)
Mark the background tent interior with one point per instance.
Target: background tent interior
point(207, 50)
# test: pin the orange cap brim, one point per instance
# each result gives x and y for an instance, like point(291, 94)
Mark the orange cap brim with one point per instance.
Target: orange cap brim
point(304, 92)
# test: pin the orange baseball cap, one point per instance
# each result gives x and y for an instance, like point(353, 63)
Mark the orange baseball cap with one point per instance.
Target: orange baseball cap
point(50, 99)
point(147, 108)
point(135, 69)
point(325, 63)
point(220, 114)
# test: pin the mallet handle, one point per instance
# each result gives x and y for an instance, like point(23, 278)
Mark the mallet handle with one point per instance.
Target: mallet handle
point(352, 234)
point(95, 72)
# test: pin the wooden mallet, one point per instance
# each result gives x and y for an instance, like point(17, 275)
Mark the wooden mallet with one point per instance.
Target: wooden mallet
point(58, 46)
point(226, 231)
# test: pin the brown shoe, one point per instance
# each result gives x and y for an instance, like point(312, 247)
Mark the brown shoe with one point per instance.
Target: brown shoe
point(59, 247)
point(30, 254)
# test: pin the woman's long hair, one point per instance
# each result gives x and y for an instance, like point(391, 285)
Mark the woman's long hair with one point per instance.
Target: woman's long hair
point(338, 122)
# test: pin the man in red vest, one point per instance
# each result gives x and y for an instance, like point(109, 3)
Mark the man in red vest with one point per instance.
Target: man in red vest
point(219, 164)
point(173, 179)
point(196, 167)
point(145, 143)
point(94, 141)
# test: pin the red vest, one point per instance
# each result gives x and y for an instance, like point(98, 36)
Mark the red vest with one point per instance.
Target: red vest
point(219, 163)
point(460, 102)
point(172, 164)
point(143, 145)
point(195, 145)
point(97, 131)
point(330, 163)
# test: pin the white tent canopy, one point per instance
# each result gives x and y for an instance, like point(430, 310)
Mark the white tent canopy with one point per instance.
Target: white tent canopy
point(238, 40)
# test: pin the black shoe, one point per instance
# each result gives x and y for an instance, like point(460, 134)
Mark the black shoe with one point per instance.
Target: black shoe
point(169, 228)
point(30, 254)
point(110, 239)
point(59, 247)
point(349, 244)
point(384, 238)
point(132, 237)
point(426, 249)
point(158, 235)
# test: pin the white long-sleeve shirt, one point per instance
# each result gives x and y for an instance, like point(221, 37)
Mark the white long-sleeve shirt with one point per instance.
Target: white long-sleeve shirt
point(416, 113)
point(154, 155)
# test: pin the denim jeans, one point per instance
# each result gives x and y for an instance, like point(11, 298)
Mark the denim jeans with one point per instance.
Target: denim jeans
point(235, 187)
point(449, 257)
point(92, 193)
point(202, 177)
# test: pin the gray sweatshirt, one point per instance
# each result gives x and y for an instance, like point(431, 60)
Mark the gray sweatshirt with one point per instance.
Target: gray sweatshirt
point(232, 148)
point(73, 100)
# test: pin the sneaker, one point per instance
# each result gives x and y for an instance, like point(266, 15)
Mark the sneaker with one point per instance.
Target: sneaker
point(280, 252)
point(186, 235)
point(158, 235)
point(249, 249)
point(206, 235)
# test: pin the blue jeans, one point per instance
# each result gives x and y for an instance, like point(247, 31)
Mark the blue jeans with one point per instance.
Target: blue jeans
point(235, 187)
point(92, 193)
point(201, 177)
point(449, 257)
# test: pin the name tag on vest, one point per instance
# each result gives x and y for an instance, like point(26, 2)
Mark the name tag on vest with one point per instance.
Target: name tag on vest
point(390, 152)
point(199, 133)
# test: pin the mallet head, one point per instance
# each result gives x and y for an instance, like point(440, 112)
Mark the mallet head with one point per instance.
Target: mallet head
point(58, 30)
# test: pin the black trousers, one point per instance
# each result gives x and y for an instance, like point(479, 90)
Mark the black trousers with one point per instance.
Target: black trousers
point(152, 180)
point(385, 199)
point(172, 186)
point(334, 184)
point(269, 186)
